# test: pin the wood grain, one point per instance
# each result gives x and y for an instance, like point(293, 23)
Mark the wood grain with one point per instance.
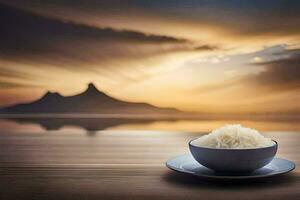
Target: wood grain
point(124, 165)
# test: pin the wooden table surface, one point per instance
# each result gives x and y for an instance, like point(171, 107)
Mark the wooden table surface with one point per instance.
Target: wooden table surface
point(124, 165)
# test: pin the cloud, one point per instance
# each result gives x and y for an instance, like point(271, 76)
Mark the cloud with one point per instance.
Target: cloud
point(207, 48)
point(279, 74)
point(33, 42)
point(8, 72)
point(24, 33)
point(232, 18)
point(245, 18)
point(7, 85)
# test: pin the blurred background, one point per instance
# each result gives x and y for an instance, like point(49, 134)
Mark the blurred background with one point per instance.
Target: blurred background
point(87, 66)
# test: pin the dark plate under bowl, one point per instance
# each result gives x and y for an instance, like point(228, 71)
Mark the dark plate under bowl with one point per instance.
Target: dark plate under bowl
point(233, 160)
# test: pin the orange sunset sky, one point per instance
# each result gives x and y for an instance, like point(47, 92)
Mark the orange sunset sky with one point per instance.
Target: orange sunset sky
point(207, 56)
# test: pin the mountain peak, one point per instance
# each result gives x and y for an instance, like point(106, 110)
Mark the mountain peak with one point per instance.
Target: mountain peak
point(51, 95)
point(92, 89)
point(91, 86)
point(48, 93)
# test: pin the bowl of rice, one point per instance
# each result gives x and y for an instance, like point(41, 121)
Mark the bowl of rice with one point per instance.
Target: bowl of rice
point(233, 148)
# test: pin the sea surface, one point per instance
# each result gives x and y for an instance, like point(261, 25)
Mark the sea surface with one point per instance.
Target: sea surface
point(51, 140)
point(91, 125)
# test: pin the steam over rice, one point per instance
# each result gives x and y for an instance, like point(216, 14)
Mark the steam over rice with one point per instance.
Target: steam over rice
point(233, 137)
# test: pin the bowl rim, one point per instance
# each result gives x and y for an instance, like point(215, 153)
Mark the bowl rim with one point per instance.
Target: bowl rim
point(227, 149)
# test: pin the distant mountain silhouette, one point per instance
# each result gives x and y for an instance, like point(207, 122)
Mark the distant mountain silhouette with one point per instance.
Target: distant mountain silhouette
point(90, 101)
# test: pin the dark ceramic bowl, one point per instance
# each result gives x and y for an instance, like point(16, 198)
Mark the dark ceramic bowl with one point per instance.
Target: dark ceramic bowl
point(233, 160)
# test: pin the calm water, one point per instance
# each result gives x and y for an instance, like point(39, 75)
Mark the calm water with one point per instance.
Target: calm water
point(115, 141)
point(92, 125)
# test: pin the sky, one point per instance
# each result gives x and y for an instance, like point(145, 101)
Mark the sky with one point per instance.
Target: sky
point(209, 56)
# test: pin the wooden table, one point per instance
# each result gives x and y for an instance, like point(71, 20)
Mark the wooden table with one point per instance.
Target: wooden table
point(123, 165)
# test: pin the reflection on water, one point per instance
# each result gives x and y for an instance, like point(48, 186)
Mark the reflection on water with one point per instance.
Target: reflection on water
point(25, 141)
point(92, 125)
point(208, 125)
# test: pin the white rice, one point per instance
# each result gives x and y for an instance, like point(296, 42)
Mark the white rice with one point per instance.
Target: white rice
point(233, 137)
